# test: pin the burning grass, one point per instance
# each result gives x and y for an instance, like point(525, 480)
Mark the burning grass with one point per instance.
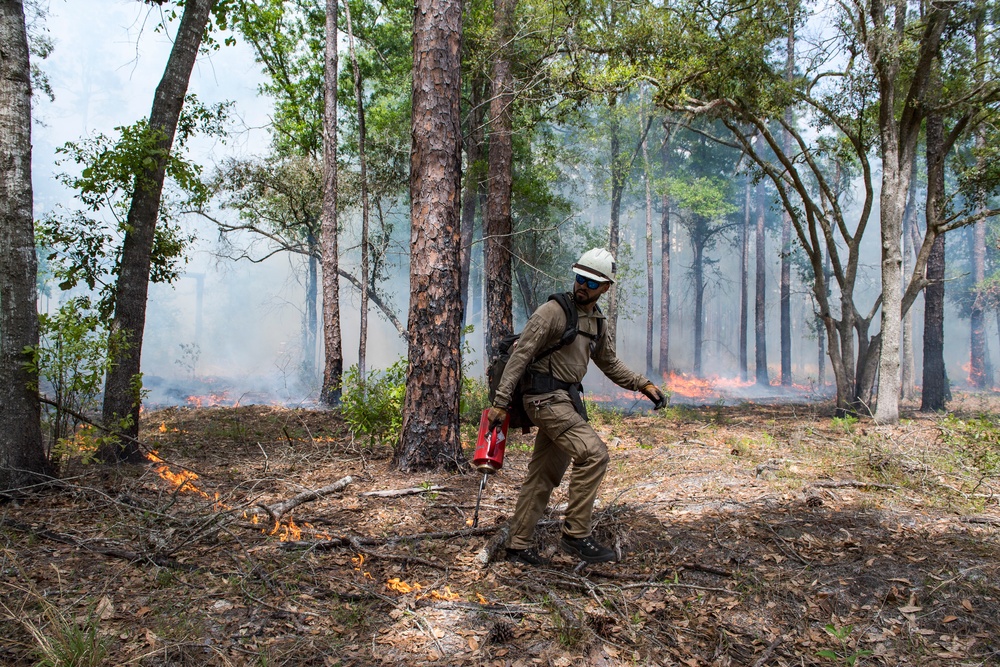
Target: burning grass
point(751, 534)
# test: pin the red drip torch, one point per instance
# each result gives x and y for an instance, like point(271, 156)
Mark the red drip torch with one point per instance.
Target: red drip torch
point(489, 453)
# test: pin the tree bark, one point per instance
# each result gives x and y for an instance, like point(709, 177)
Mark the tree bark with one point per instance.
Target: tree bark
point(907, 383)
point(978, 375)
point(760, 312)
point(430, 432)
point(664, 285)
point(698, 276)
point(121, 391)
point(363, 165)
point(935, 380)
point(500, 183)
point(333, 366)
point(22, 457)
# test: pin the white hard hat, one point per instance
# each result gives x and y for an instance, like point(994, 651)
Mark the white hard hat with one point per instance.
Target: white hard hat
point(596, 264)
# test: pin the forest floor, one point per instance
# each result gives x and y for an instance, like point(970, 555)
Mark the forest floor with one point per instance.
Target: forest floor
point(749, 535)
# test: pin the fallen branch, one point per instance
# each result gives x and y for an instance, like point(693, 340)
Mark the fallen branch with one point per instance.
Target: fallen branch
point(404, 558)
point(278, 510)
point(488, 553)
point(766, 655)
point(986, 520)
point(338, 542)
point(396, 493)
point(853, 484)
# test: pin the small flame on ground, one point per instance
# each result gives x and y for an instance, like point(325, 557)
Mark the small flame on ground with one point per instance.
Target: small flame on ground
point(399, 586)
point(212, 400)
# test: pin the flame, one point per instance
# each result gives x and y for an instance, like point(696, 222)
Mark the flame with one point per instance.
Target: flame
point(399, 586)
point(395, 584)
point(287, 532)
point(182, 481)
point(212, 400)
point(163, 427)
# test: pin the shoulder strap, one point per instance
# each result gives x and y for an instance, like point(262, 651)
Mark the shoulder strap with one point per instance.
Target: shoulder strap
point(565, 300)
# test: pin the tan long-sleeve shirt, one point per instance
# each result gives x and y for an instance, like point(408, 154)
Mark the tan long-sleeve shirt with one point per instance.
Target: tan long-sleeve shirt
point(567, 364)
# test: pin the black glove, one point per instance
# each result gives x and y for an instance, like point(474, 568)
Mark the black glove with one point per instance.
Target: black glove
point(654, 394)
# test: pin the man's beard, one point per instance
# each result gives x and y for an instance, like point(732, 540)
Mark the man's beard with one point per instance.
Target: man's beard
point(584, 300)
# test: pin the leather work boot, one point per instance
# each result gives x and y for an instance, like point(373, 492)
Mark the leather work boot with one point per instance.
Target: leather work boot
point(527, 556)
point(587, 549)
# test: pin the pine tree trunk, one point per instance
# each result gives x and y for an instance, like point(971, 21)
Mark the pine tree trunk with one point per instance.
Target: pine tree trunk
point(664, 285)
point(430, 431)
point(121, 388)
point(935, 380)
point(698, 276)
point(907, 382)
point(760, 313)
point(500, 182)
point(977, 320)
point(22, 458)
point(363, 165)
point(333, 366)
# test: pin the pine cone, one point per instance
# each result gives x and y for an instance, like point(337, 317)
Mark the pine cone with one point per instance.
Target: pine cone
point(501, 632)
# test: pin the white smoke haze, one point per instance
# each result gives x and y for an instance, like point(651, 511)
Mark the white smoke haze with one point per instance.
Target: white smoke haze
point(231, 332)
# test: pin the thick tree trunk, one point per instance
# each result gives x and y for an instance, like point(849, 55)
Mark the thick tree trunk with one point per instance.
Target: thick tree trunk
point(471, 185)
point(333, 367)
point(760, 313)
point(22, 457)
point(664, 285)
point(121, 389)
point(430, 431)
point(363, 165)
point(744, 275)
point(500, 182)
point(935, 380)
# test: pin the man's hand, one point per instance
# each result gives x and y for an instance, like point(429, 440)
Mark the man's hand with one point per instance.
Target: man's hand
point(496, 416)
point(654, 394)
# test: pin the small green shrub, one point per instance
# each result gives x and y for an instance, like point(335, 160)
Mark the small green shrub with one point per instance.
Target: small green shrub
point(845, 423)
point(976, 441)
point(374, 407)
point(70, 362)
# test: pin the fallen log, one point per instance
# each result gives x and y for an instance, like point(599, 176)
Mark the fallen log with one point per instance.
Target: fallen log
point(278, 510)
point(396, 493)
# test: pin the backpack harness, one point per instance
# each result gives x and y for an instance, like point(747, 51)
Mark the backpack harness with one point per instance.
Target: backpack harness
point(539, 383)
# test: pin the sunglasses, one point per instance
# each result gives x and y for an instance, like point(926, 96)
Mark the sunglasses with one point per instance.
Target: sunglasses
point(591, 284)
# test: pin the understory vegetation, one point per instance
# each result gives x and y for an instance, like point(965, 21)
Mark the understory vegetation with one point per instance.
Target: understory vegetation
point(749, 535)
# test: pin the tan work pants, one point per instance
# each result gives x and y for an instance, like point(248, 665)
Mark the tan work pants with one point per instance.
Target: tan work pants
point(563, 436)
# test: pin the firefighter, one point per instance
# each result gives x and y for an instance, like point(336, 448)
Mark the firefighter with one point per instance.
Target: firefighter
point(552, 388)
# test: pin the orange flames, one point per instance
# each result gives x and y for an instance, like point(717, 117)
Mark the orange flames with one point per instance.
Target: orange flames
point(398, 586)
point(181, 481)
point(211, 400)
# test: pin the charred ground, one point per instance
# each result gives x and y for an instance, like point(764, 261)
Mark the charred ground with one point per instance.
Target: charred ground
point(751, 535)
